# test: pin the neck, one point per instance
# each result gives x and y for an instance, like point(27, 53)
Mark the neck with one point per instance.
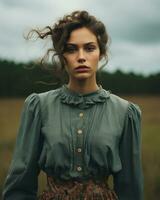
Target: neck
point(83, 87)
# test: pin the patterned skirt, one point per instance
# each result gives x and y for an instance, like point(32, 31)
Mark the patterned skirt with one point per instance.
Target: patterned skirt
point(74, 190)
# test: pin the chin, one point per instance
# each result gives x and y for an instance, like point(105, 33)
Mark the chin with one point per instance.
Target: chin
point(82, 76)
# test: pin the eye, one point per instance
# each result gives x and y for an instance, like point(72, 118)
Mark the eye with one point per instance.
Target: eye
point(90, 48)
point(70, 49)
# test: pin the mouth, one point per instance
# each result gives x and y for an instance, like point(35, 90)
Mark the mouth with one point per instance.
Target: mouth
point(82, 68)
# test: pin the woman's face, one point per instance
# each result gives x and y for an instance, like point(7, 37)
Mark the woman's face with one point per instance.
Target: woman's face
point(81, 54)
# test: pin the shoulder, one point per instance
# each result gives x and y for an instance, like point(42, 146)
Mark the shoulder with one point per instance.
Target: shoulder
point(41, 99)
point(118, 104)
point(49, 95)
point(134, 111)
point(44, 96)
point(118, 100)
point(122, 107)
point(124, 104)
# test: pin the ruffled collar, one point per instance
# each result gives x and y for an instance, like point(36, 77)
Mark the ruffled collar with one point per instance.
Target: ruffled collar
point(83, 101)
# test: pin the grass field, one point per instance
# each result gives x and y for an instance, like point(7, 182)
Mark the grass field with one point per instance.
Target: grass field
point(150, 105)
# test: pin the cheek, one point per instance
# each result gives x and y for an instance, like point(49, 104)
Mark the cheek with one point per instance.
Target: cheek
point(96, 55)
point(69, 60)
point(95, 59)
point(68, 64)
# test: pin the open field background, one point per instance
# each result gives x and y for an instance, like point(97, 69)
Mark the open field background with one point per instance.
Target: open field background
point(10, 110)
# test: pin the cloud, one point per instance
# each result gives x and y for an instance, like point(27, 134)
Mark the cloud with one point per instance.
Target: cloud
point(138, 20)
point(134, 27)
point(144, 57)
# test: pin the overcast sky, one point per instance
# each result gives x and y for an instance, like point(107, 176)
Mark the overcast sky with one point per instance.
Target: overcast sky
point(133, 25)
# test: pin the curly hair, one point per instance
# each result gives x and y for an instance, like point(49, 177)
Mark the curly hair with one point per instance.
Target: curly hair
point(60, 33)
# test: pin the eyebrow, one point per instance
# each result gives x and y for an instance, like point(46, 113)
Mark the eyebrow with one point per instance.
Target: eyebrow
point(88, 43)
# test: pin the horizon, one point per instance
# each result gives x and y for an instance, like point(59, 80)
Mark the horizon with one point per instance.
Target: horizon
point(103, 69)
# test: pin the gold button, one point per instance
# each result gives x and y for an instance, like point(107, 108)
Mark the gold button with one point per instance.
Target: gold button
point(79, 150)
point(81, 114)
point(79, 131)
point(79, 168)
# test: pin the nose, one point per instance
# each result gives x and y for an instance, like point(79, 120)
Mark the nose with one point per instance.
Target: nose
point(81, 57)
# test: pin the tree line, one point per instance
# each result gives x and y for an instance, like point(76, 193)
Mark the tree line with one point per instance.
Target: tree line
point(22, 79)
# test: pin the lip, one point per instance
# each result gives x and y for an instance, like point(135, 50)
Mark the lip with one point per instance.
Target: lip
point(82, 68)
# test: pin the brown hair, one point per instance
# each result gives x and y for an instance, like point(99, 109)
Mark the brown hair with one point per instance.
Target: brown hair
point(60, 33)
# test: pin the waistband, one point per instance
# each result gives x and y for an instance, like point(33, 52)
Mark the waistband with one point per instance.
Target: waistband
point(77, 190)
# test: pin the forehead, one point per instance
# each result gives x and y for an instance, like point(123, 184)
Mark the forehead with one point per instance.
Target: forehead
point(82, 36)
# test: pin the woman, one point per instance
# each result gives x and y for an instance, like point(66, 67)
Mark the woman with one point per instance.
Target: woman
point(78, 134)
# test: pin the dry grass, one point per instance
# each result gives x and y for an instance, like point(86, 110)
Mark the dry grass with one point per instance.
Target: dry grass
point(10, 110)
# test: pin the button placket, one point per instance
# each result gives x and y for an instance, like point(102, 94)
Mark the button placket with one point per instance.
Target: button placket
point(79, 168)
point(81, 114)
point(79, 131)
point(79, 142)
point(79, 150)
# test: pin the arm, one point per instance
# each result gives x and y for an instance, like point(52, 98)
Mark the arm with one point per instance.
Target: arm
point(128, 182)
point(21, 181)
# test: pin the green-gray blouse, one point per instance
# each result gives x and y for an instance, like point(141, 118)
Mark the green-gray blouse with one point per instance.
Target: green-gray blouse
point(77, 136)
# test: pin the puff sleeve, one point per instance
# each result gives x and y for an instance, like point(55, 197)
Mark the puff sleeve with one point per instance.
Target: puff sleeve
point(22, 180)
point(128, 182)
